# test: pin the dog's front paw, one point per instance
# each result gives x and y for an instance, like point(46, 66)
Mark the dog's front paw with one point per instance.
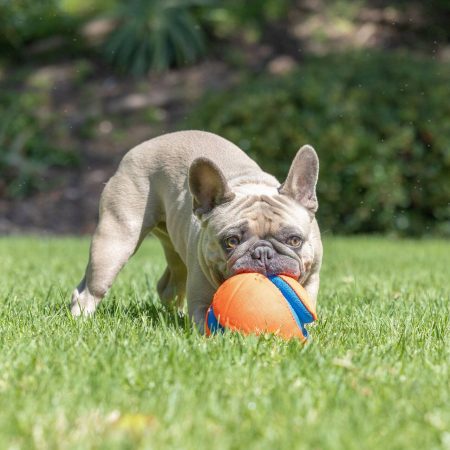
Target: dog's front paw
point(83, 303)
point(198, 319)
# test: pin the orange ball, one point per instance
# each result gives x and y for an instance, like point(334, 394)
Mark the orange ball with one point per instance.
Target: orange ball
point(251, 303)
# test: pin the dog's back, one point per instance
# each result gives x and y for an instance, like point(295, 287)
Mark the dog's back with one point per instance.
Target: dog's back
point(171, 154)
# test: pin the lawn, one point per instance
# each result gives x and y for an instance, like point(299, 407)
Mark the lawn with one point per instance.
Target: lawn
point(376, 374)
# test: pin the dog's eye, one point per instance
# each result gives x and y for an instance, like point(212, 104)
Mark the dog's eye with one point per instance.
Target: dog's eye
point(294, 241)
point(232, 242)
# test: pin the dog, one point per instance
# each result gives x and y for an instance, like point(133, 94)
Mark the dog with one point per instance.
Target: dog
point(216, 214)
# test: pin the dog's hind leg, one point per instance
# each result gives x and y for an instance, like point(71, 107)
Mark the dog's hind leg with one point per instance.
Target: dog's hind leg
point(172, 284)
point(126, 216)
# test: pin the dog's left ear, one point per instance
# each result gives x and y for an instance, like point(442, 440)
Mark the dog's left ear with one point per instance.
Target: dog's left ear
point(302, 178)
point(208, 186)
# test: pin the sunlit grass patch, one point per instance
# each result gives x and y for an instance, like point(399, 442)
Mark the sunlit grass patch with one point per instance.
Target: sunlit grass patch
point(136, 376)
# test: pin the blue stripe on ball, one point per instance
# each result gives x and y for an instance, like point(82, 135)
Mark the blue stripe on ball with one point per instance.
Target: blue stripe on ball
point(213, 324)
point(301, 314)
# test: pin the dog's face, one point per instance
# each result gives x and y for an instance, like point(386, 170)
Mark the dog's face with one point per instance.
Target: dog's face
point(262, 228)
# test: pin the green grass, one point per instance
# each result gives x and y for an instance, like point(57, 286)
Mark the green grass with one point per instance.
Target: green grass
point(376, 374)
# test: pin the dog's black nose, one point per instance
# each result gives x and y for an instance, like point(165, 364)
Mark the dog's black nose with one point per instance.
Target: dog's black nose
point(263, 252)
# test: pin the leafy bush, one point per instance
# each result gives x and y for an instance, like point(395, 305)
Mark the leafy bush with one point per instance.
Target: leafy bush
point(380, 124)
point(234, 17)
point(26, 20)
point(158, 34)
point(26, 148)
point(155, 34)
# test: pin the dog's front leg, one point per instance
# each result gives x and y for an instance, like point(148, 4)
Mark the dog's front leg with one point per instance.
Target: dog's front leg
point(312, 287)
point(199, 294)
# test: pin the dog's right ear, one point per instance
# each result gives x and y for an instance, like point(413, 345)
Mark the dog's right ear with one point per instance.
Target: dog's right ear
point(208, 186)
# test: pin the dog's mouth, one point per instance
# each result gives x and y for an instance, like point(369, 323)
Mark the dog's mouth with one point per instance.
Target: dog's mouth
point(266, 258)
point(268, 273)
point(280, 266)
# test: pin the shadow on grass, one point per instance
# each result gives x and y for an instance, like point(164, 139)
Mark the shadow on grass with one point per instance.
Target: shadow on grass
point(121, 307)
point(149, 310)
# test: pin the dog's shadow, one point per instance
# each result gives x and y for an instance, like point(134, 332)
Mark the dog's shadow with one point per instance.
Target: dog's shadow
point(147, 309)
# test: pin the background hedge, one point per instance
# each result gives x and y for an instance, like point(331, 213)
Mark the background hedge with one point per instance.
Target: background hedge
point(30, 145)
point(380, 124)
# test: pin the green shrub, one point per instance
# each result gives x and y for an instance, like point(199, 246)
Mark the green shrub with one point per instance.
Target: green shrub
point(24, 21)
point(27, 149)
point(158, 34)
point(154, 34)
point(249, 18)
point(380, 124)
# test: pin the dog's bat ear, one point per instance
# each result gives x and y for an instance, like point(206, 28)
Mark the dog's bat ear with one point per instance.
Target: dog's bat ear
point(302, 178)
point(208, 186)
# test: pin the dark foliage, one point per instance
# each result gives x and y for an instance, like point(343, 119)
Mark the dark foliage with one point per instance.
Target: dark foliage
point(27, 21)
point(155, 34)
point(380, 124)
point(27, 150)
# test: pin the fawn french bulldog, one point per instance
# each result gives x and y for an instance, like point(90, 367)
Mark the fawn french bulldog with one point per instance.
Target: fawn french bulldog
point(216, 214)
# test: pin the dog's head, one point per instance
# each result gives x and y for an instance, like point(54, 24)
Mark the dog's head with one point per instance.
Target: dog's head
point(258, 227)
